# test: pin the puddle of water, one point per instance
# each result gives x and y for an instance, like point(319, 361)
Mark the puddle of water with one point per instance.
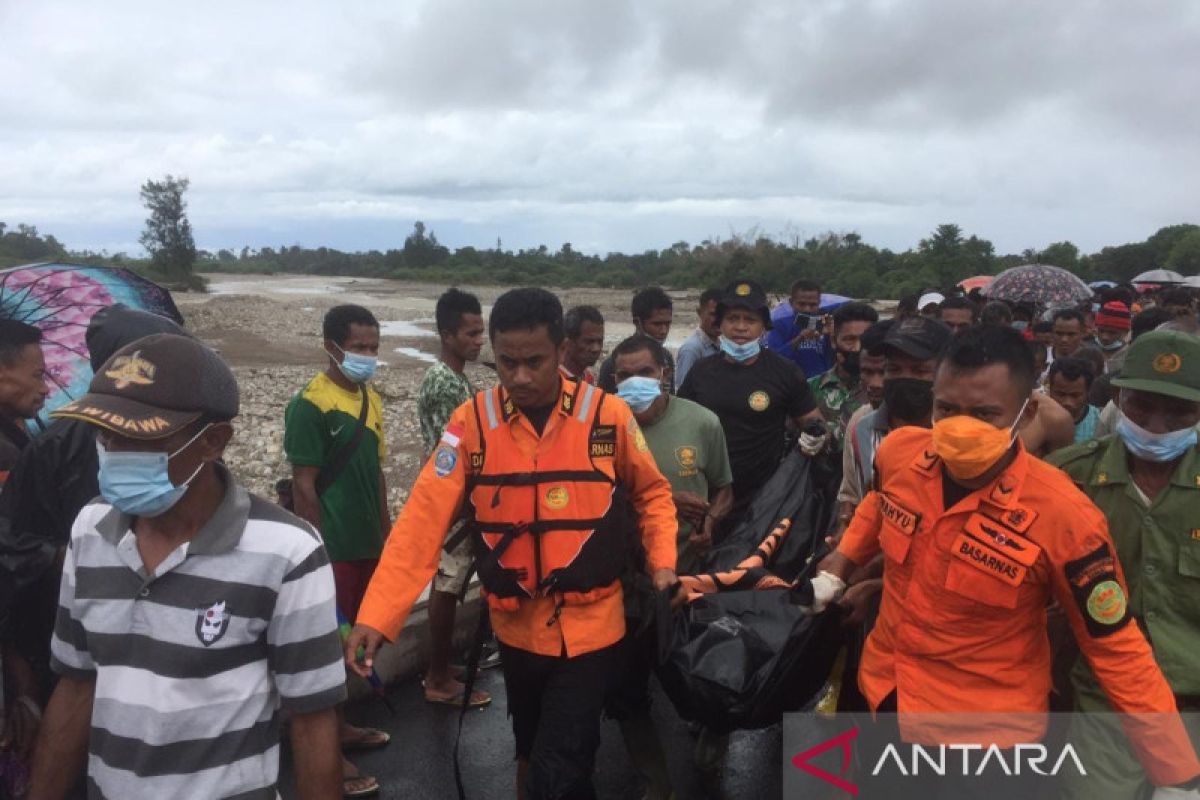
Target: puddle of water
point(404, 328)
point(420, 355)
point(260, 287)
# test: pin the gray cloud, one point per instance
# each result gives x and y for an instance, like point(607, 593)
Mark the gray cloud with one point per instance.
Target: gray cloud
point(616, 125)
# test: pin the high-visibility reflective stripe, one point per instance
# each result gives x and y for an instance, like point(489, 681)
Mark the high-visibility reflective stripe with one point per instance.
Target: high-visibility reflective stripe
point(490, 403)
point(586, 405)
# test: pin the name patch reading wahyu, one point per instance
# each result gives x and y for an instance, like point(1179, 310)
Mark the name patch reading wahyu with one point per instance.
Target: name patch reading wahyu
point(898, 515)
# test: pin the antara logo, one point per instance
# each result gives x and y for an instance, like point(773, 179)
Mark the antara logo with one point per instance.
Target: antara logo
point(843, 741)
point(941, 760)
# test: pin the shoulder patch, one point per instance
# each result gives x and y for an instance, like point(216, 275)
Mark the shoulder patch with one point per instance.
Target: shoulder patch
point(445, 459)
point(1097, 592)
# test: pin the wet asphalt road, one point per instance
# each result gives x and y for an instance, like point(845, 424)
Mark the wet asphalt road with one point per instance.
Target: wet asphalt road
point(418, 762)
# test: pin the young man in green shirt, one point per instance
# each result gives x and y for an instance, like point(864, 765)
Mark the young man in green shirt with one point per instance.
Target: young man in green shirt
point(349, 508)
point(444, 388)
point(1146, 481)
point(688, 445)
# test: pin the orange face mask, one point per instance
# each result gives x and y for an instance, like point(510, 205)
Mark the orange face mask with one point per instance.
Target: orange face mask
point(969, 446)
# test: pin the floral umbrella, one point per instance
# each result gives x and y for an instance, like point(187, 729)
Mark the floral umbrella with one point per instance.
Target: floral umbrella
point(61, 300)
point(1041, 284)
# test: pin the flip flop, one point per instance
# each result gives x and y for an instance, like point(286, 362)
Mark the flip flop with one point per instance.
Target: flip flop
point(479, 699)
point(370, 789)
point(369, 739)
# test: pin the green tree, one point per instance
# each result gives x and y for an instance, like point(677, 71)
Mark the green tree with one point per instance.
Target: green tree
point(168, 234)
point(1061, 254)
point(1185, 255)
point(423, 250)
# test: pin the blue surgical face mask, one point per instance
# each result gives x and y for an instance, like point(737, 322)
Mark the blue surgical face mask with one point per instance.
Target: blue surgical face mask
point(640, 393)
point(1019, 325)
point(740, 352)
point(138, 483)
point(1161, 447)
point(357, 367)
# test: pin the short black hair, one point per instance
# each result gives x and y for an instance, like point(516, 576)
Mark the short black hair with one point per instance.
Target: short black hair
point(649, 300)
point(15, 336)
point(1024, 310)
point(1043, 326)
point(854, 312)
point(1177, 297)
point(711, 296)
point(996, 312)
point(1072, 369)
point(451, 307)
point(336, 327)
point(804, 285)
point(960, 302)
point(1123, 294)
point(985, 345)
point(907, 304)
point(637, 343)
point(1069, 313)
point(526, 310)
point(1038, 348)
point(575, 317)
point(1148, 320)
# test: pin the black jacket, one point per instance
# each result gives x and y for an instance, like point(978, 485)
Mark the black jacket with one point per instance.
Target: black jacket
point(55, 476)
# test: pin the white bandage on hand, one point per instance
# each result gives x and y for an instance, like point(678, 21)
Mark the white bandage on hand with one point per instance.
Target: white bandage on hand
point(827, 588)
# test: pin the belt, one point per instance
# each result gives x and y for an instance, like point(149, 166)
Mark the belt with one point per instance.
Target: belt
point(1187, 702)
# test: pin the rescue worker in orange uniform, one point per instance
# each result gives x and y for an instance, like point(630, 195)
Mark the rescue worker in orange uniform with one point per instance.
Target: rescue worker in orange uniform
point(977, 537)
point(541, 463)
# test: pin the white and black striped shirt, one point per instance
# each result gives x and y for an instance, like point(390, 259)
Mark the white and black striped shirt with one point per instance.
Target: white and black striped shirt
point(193, 664)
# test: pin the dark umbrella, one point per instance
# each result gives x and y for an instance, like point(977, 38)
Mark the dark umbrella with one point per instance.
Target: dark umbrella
point(1041, 284)
point(61, 299)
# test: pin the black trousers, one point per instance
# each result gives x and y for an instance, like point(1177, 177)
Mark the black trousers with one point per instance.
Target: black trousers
point(555, 703)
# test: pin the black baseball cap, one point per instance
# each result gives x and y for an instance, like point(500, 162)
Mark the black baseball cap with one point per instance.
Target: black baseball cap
point(155, 387)
point(745, 294)
point(919, 337)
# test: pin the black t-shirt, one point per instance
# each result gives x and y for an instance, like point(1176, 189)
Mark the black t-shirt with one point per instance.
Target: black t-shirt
point(753, 403)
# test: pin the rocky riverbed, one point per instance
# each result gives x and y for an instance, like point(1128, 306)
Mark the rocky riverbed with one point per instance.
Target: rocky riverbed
point(269, 329)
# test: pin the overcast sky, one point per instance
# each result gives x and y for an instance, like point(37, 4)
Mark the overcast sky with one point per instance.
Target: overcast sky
point(612, 124)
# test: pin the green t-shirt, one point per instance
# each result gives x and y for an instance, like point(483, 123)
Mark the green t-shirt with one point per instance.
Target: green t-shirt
point(319, 421)
point(688, 445)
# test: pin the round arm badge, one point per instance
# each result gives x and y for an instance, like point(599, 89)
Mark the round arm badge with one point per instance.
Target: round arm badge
point(445, 460)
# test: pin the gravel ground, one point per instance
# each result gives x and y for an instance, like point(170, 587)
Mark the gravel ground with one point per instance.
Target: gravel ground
point(268, 329)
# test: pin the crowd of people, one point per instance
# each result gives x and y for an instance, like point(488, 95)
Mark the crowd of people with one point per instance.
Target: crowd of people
point(1015, 530)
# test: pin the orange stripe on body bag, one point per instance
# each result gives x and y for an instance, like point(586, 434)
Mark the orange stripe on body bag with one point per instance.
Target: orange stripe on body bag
point(749, 574)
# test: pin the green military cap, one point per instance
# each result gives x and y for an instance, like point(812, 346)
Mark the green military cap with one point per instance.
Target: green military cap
point(1163, 362)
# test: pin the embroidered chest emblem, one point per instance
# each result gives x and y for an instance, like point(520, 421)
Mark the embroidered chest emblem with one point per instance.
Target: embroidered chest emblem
point(211, 623)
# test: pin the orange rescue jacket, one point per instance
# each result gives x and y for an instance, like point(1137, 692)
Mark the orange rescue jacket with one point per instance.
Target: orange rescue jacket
point(546, 525)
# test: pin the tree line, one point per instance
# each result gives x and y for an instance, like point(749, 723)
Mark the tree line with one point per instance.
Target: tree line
point(842, 262)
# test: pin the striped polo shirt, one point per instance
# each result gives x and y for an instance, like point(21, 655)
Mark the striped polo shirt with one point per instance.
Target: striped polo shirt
point(193, 663)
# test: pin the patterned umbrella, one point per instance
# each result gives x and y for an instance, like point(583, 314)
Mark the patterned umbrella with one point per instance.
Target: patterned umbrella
point(61, 299)
point(976, 282)
point(1041, 284)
